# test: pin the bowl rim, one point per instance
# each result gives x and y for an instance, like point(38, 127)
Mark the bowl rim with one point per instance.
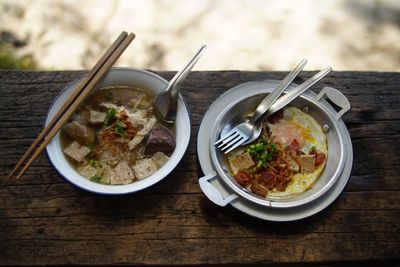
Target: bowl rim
point(183, 120)
point(274, 202)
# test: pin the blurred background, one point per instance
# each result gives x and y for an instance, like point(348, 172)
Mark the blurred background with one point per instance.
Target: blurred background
point(240, 35)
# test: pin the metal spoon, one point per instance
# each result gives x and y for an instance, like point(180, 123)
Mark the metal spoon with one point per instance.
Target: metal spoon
point(287, 98)
point(279, 104)
point(166, 102)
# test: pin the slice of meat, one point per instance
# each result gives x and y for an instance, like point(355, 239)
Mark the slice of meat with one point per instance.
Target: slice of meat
point(266, 179)
point(243, 178)
point(307, 163)
point(79, 132)
point(243, 161)
point(232, 156)
point(259, 190)
point(160, 139)
point(294, 145)
point(76, 151)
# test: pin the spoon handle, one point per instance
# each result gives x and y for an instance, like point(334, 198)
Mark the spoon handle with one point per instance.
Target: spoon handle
point(273, 96)
point(289, 97)
point(176, 82)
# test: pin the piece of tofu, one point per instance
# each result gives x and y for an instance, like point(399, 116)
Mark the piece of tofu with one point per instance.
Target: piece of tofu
point(307, 163)
point(231, 156)
point(107, 156)
point(108, 175)
point(160, 159)
point(96, 117)
point(80, 132)
point(292, 164)
point(76, 151)
point(124, 174)
point(144, 168)
point(243, 161)
point(87, 171)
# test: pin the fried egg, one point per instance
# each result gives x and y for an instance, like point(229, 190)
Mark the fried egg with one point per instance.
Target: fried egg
point(308, 132)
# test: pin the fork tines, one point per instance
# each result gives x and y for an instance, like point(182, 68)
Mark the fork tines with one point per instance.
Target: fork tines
point(230, 141)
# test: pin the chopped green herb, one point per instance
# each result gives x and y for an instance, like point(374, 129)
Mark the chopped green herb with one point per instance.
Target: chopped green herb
point(262, 151)
point(260, 147)
point(266, 156)
point(273, 148)
point(96, 179)
point(93, 163)
point(109, 116)
point(313, 149)
point(260, 164)
point(119, 128)
point(92, 146)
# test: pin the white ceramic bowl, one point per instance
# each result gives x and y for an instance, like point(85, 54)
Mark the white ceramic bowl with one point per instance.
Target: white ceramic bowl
point(128, 77)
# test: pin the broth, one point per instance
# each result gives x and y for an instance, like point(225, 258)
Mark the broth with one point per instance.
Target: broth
point(114, 137)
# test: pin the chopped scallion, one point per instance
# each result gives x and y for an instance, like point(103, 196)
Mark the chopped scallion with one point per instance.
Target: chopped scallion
point(92, 146)
point(109, 116)
point(93, 163)
point(96, 179)
point(119, 128)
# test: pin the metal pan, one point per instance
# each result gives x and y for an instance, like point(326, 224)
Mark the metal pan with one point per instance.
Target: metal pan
point(320, 109)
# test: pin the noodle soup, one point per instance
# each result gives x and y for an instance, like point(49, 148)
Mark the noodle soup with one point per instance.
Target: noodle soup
point(114, 137)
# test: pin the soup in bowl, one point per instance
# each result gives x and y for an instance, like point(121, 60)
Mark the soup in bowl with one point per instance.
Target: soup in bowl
point(114, 143)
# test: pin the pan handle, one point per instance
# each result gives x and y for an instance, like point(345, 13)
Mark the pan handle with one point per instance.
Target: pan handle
point(212, 193)
point(337, 98)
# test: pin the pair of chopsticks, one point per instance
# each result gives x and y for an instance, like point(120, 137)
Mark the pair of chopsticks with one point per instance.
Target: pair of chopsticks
point(80, 93)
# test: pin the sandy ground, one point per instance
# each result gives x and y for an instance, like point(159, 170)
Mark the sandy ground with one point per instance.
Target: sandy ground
point(240, 35)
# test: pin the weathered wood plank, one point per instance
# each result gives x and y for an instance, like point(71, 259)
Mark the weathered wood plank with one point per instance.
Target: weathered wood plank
point(133, 250)
point(45, 220)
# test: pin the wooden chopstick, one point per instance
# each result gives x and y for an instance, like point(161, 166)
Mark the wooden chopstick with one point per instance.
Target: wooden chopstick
point(70, 100)
point(84, 88)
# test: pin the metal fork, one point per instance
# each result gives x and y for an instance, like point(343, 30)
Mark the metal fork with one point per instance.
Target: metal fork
point(241, 133)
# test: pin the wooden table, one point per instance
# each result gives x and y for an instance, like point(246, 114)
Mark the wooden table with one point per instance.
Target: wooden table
point(46, 221)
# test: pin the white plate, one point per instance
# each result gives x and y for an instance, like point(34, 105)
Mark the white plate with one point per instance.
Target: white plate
point(262, 212)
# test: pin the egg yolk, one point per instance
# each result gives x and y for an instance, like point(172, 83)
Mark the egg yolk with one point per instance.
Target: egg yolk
point(284, 132)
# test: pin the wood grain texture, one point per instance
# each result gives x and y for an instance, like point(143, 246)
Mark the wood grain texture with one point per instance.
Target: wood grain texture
point(46, 221)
